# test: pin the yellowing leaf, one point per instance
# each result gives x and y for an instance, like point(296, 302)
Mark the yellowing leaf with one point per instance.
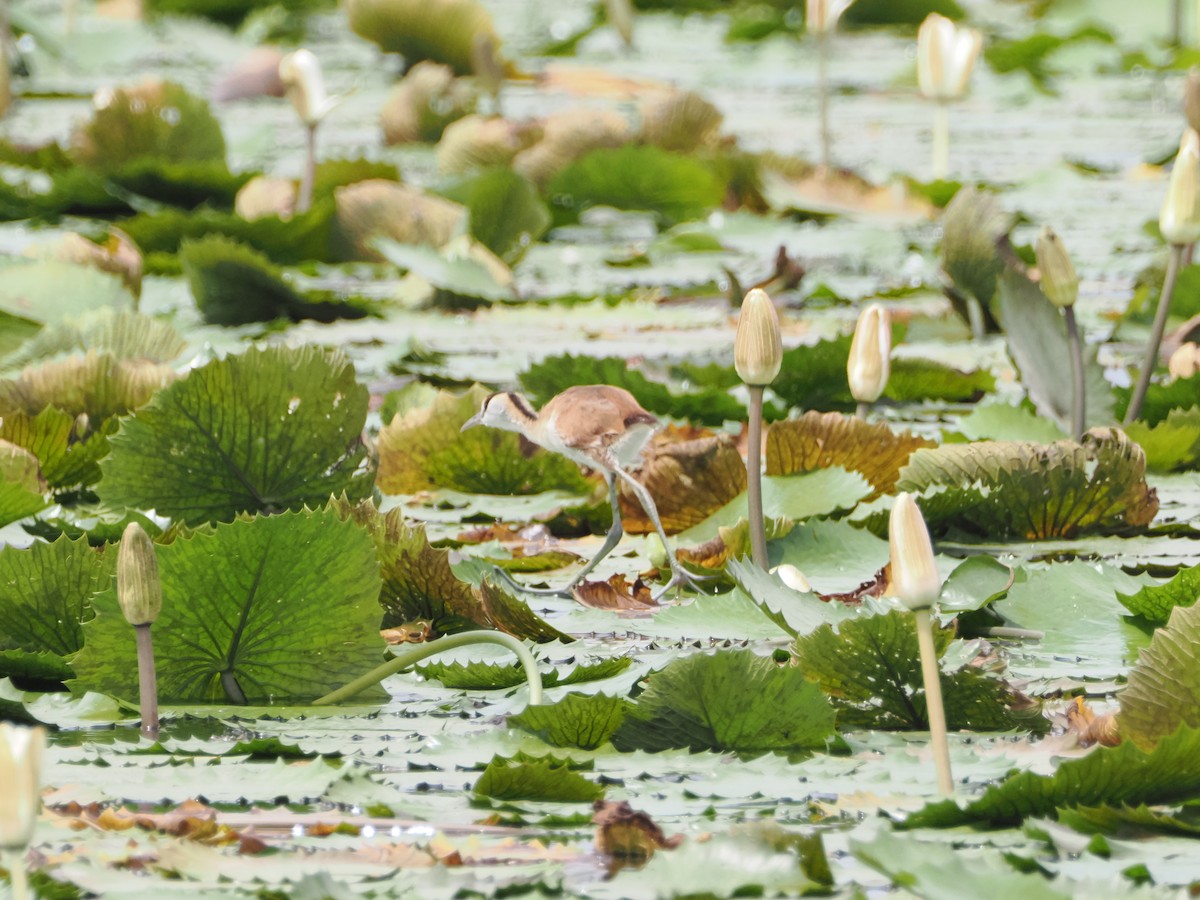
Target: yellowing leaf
point(689, 481)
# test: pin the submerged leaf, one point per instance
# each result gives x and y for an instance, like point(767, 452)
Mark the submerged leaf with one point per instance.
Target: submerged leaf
point(1164, 687)
point(264, 431)
point(275, 609)
point(820, 440)
point(727, 701)
point(426, 448)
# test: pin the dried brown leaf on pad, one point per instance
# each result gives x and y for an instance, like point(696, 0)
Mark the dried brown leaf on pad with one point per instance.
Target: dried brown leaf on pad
point(819, 440)
point(616, 593)
point(629, 836)
point(1092, 728)
point(689, 480)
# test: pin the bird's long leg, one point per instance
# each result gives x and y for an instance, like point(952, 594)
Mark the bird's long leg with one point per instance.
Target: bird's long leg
point(610, 542)
point(679, 575)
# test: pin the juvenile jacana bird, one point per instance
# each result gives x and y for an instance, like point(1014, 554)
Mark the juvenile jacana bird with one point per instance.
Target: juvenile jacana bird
point(598, 426)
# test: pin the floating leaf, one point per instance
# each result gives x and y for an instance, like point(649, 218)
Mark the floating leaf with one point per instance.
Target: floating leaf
point(275, 609)
point(422, 103)
point(96, 384)
point(689, 480)
point(45, 594)
point(505, 212)
point(547, 779)
point(728, 701)
point(583, 721)
point(463, 272)
point(264, 431)
point(67, 458)
point(1172, 444)
point(1125, 774)
point(871, 667)
point(1164, 687)
point(1013, 489)
point(1005, 422)
point(674, 187)
point(233, 284)
point(820, 440)
point(50, 292)
point(1122, 819)
point(426, 448)
point(1157, 602)
point(972, 226)
point(124, 335)
point(370, 210)
point(1162, 399)
point(441, 30)
point(484, 676)
point(914, 379)
point(1037, 340)
point(21, 483)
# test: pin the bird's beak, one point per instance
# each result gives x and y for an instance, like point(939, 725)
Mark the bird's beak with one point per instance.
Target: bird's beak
point(476, 419)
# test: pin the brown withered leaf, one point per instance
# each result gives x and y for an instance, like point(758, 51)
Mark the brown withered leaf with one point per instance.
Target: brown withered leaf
point(795, 185)
point(730, 542)
point(628, 836)
point(820, 440)
point(616, 593)
point(409, 633)
point(1091, 728)
point(879, 586)
point(191, 819)
point(689, 481)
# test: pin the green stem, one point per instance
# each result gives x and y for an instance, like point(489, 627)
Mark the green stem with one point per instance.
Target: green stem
point(941, 141)
point(1078, 396)
point(1003, 631)
point(1176, 22)
point(975, 317)
point(305, 195)
point(936, 710)
point(416, 654)
point(147, 681)
point(14, 860)
point(758, 528)
point(1156, 334)
point(823, 98)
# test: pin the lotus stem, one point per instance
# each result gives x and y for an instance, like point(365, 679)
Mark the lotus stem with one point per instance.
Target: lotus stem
point(933, 701)
point(975, 317)
point(941, 141)
point(14, 861)
point(1176, 22)
point(305, 195)
point(758, 528)
point(410, 657)
point(1156, 334)
point(147, 681)
point(1078, 395)
point(1004, 631)
point(823, 98)
point(863, 410)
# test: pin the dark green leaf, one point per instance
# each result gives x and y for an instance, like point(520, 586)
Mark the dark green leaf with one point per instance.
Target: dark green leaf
point(546, 779)
point(584, 721)
point(506, 214)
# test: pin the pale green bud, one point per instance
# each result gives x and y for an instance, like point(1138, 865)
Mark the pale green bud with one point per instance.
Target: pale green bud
point(915, 578)
point(1060, 284)
point(758, 348)
point(1179, 218)
point(139, 589)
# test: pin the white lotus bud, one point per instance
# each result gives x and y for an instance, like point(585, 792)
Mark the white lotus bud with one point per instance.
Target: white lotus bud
point(1060, 284)
point(915, 578)
point(757, 348)
point(20, 778)
point(793, 578)
point(1179, 218)
point(300, 73)
point(869, 364)
point(946, 56)
point(821, 16)
point(1185, 361)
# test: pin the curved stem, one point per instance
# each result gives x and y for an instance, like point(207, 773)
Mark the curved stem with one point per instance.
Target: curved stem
point(758, 529)
point(1078, 397)
point(305, 195)
point(823, 97)
point(1156, 334)
point(941, 141)
point(935, 709)
point(403, 660)
point(19, 878)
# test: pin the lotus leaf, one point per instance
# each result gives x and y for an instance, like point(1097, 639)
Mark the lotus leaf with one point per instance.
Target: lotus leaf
point(505, 212)
point(1172, 444)
point(1163, 691)
point(267, 609)
point(427, 99)
point(21, 483)
point(584, 721)
point(440, 30)
point(377, 208)
point(972, 226)
point(536, 778)
point(98, 385)
point(125, 335)
point(1157, 602)
point(50, 292)
point(688, 479)
point(264, 431)
point(69, 457)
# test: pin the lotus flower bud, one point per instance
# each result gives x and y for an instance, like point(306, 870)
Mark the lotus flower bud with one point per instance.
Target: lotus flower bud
point(139, 589)
point(793, 578)
point(1185, 361)
point(758, 348)
point(821, 16)
point(870, 354)
point(300, 73)
point(946, 55)
point(20, 778)
point(915, 578)
point(1179, 218)
point(1060, 284)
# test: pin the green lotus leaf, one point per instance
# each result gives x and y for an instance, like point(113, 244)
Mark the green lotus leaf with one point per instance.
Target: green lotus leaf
point(68, 458)
point(1037, 341)
point(441, 30)
point(1121, 819)
point(972, 225)
point(426, 448)
point(584, 721)
point(555, 374)
point(46, 591)
point(233, 284)
point(1170, 773)
point(672, 186)
point(531, 778)
point(1005, 422)
point(227, 12)
point(187, 184)
point(34, 293)
point(43, 670)
point(1172, 444)
point(820, 440)
point(270, 609)
point(264, 431)
point(485, 676)
point(463, 273)
point(1163, 690)
point(898, 12)
point(914, 378)
point(22, 486)
point(1028, 491)
point(94, 384)
point(505, 212)
point(871, 667)
point(1157, 602)
point(124, 335)
point(728, 701)
point(419, 585)
point(368, 211)
point(152, 120)
point(1161, 399)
